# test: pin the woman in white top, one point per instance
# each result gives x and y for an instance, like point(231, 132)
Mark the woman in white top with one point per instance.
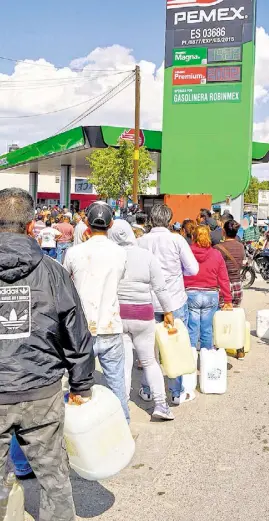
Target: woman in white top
point(143, 272)
point(48, 238)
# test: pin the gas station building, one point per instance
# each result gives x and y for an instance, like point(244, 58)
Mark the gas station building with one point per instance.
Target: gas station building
point(63, 157)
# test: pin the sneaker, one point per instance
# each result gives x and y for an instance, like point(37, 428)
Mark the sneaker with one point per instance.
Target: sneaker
point(145, 394)
point(184, 397)
point(163, 412)
point(240, 355)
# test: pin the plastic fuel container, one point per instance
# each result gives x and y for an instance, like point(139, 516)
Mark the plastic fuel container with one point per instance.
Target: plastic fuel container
point(213, 371)
point(229, 329)
point(11, 499)
point(98, 438)
point(263, 324)
point(175, 349)
point(247, 343)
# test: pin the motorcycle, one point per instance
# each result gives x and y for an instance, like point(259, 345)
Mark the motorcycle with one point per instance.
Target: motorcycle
point(257, 261)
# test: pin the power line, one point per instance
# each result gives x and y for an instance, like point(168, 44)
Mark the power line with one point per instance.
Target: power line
point(112, 93)
point(65, 108)
point(41, 85)
point(67, 79)
point(108, 99)
point(53, 111)
point(123, 84)
point(29, 62)
point(102, 101)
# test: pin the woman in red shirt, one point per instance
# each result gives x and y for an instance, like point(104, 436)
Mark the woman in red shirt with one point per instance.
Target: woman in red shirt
point(203, 289)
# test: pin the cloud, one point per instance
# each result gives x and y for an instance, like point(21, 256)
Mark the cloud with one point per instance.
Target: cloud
point(261, 131)
point(262, 60)
point(260, 94)
point(261, 128)
point(38, 87)
point(261, 172)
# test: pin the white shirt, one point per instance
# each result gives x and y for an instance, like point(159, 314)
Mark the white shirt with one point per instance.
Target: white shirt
point(80, 228)
point(48, 237)
point(176, 259)
point(97, 266)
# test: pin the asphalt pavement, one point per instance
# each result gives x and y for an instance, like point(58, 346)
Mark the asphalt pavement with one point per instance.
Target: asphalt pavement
point(210, 464)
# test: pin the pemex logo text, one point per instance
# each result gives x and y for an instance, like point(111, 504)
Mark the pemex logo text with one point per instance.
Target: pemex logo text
point(129, 135)
point(175, 4)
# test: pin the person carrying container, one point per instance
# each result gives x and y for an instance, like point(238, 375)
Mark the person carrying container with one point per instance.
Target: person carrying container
point(43, 332)
point(176, 259)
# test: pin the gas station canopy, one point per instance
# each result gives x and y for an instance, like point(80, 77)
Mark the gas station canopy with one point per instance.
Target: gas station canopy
point(260, 152)
point(65, 154)
point(72, 147)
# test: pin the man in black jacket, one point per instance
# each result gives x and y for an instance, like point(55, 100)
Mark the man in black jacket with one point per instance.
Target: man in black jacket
point(43, 331)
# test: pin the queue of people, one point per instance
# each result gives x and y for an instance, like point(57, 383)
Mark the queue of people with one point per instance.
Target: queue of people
point(57, 229)
point(103, 302)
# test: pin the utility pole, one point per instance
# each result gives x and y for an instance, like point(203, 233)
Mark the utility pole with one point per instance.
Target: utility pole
point(137, 133)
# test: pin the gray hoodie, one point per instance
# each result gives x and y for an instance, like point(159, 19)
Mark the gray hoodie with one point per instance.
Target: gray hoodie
point(143, 272)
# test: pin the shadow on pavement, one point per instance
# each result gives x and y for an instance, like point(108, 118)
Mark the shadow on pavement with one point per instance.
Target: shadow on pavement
point(91, 498)
point(254, 288)
point(253, 333)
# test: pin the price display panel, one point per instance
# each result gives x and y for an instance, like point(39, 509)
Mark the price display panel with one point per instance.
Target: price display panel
point(225, 54)
point(228, 74)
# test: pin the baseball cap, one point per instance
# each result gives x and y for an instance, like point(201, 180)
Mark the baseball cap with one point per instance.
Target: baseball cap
point(100, 215)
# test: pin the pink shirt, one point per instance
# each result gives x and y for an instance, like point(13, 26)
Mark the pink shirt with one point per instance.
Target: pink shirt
point(67, 232)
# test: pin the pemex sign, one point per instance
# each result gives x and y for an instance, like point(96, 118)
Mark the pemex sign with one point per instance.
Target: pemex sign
point(173, 4)
point(208, 96)
point(129, 135)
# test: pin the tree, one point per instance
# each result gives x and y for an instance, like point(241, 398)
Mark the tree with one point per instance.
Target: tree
point(111, 170)
point(251, 195)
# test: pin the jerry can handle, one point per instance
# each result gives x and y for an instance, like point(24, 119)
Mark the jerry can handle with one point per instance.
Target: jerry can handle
point(171, 330)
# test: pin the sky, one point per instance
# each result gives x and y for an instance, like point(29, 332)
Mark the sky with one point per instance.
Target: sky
point(52, 38)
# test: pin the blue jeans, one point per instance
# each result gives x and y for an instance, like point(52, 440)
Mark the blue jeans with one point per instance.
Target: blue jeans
point(202, 308)
point(110, 351)
point(174, 384)
point(50, 252)
point(22, 467)
point(61, 250)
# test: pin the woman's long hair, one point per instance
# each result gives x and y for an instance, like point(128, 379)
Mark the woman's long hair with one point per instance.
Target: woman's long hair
point(189, 229)
point(202, 237)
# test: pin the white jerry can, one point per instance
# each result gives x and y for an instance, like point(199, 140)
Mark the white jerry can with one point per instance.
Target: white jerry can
point(175, 349)
point(229, 329)
point(247, 343)
point(263, 324)
point(213, 371)
point(11, 499)
point(98, 438)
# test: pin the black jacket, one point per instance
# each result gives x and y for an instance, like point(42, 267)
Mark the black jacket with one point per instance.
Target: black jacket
point(43, 329)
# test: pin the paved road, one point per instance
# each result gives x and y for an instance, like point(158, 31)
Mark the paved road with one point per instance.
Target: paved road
point(210, 464)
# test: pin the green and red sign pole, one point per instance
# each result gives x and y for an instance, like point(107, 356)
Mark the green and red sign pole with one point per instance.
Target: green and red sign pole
point(208, 97)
